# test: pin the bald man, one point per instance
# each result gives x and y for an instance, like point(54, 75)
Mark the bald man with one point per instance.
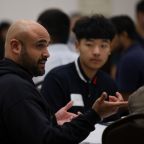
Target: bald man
point(25, 117)
point(26, 44)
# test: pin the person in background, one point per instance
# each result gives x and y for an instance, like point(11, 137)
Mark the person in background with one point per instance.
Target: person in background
point(110, 66)
point(139, 11)
point(25, 117)
point(58, 25)
point(4, 25)
point(82, 81)
point(72, 38)
point(130, 72)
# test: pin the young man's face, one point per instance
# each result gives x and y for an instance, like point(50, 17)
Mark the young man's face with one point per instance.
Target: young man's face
point(93, 53)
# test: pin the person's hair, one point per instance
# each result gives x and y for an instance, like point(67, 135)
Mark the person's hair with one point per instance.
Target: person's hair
point(95, 26)
point(140, 6)
point(124, 23)
point(57, 24)
point(4, 25)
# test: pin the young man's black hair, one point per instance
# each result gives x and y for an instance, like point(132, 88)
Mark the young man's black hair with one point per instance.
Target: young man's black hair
point(85, 28)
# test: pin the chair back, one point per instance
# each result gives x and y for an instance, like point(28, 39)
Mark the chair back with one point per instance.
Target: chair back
point(128, 130)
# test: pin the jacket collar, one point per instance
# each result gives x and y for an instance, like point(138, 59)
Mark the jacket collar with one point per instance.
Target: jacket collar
point(81, 73)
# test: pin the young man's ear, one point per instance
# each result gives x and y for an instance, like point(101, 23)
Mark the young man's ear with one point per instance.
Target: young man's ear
point(77, 43)
point(15, 46)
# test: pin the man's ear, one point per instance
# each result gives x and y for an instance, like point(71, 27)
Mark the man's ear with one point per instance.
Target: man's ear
point(16, 46)
point(77, 43)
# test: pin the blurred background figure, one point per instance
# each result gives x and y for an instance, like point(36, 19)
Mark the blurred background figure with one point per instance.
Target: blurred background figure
point(110, 66)
point(130, 71)
point(72, 38)
point(130, 68)
point(139, 10)
point(117, 48)
point(4, 25)
point(57, 24)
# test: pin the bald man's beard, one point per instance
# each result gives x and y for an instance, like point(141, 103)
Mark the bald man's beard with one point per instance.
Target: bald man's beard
point(30, 64)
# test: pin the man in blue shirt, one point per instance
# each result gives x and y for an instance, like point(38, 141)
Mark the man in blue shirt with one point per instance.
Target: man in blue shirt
point(130, 68)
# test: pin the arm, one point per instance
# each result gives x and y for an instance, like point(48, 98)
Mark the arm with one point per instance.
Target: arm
point(29, 121)
point(63, 115)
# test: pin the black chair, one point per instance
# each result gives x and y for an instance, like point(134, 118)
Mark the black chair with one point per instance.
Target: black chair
point(128, 130)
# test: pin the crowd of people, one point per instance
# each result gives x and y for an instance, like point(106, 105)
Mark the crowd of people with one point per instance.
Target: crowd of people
point(58, 79)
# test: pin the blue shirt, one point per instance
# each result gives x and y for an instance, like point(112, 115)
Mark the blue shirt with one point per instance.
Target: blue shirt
point(130, 70)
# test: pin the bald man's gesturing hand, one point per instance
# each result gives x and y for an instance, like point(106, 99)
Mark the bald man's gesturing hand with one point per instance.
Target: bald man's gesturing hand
point(63, 115)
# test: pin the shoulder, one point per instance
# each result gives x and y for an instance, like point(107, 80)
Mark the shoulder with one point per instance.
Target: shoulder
point(134, 52)
point(15, 89)
point(134, 58)
point(106, 82)
point(13, 83)
point(135, 101)
point(62, 70)
point(65, 75)
point(104, 76)
point(12, 79)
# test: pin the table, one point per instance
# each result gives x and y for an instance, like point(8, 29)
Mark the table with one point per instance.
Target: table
point(95, 136)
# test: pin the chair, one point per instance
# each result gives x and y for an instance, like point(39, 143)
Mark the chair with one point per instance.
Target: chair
point(128, 130)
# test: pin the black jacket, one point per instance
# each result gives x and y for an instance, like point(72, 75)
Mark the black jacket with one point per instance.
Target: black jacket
point(24, 114)
point(63, 82)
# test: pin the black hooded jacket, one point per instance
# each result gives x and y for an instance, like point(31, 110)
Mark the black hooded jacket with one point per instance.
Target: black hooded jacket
point(24, 114)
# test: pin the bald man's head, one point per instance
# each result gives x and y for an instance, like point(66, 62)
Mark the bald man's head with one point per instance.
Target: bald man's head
point(26, 44)
point(20, 29)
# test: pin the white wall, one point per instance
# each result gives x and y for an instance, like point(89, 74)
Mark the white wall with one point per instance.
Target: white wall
point(89, 7)
point(124, 7)
point(30, 9)
point(109, 7)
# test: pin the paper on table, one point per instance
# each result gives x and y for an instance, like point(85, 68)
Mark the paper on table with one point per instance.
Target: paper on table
point(95, 136)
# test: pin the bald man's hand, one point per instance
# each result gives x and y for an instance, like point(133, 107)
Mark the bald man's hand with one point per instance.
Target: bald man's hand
point(63, 115)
